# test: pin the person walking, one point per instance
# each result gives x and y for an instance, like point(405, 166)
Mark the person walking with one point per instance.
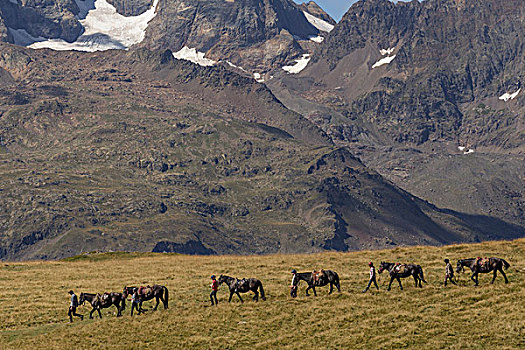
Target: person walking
point(372, 277)
point(135, 301)
point(214, 288)
point(73, 307)
point(449, 272)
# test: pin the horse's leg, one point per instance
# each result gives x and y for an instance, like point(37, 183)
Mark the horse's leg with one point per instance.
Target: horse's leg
point(307, 288)
point(415, 279)
point(315, 293)
point(91, 313)
point(99, 313)
point(231, 296)
point(256, 296)
point(242, 301)
point(157, 304)
point(390, 284)
point(494, 276)
point(504, 275)
point(399, 281)
point(331, 288)
point(474, 274)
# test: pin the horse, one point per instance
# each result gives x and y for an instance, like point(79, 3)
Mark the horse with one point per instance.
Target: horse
point(492, 264)
point(409, 270)
point(245, 285)
point(103, 301)
point(147, 293)
point(315, 280)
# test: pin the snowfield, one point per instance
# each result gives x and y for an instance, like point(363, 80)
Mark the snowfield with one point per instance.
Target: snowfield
point(387, 51)
point(318, 23)
point(194, 56)
point(300, 64)
point(506, 96)
point(318, 39)
point(104, 29)
point(384, 60)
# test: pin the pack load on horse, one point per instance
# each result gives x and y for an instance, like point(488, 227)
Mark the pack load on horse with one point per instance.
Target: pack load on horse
point(398, 271)
point(483, 265)
point(103, 301)
point(400, 268)
point(314, 279)
point(145, 293)
point(244, 285)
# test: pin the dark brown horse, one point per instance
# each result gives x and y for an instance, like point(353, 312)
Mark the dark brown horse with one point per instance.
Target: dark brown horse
point(398, 271)
point(147, 293)
point(315, 280)
point(244, 285)
point(478, 266)
point(103, 301)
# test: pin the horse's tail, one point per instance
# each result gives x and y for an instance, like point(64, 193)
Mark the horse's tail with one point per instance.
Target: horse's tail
point(421, 273)
point(505, 264)
point(166, 296)
point(263, 297)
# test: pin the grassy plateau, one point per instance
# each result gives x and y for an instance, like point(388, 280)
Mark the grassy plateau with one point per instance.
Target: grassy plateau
point(34, 302)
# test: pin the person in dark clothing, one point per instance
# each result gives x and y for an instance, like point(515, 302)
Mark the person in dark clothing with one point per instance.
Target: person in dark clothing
point(135, 301)
point(214, 288)
point(449, 272)
point(372, 277)
point(73, 307)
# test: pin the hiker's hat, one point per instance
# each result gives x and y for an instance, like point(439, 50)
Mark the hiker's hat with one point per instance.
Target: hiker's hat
point(212, 277)
point(370, 263)
point(294, 271)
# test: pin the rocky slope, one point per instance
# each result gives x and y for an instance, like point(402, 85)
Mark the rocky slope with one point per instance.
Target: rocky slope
point(430, 95)
point(159, 154)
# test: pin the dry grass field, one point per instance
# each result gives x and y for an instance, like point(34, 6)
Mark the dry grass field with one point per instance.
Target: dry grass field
point(34, 300)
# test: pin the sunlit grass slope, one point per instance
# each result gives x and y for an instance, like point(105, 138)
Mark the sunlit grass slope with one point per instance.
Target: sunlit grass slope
point(34, 300)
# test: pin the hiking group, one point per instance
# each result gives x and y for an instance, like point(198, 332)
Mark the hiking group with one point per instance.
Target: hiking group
point(313, 279)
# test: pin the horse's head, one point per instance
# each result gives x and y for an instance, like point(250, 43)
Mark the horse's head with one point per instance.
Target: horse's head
point(383, 266)
point(459, 267)
point(222, 279)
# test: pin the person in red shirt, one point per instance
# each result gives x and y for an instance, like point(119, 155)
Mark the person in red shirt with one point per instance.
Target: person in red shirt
point(214, 288)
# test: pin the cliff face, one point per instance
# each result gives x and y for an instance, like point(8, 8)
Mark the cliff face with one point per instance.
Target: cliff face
point(444, 54)
point(249, 33)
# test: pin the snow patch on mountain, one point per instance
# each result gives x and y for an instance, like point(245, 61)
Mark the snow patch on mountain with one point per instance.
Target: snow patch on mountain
point(384, 60)
point(300, 64)
point(237, 67)
point(194, 56)
point(506, 96)
point(104, 29)
point(258, 78)
point(318, 39)
point(318, 23)
point(387, 51)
